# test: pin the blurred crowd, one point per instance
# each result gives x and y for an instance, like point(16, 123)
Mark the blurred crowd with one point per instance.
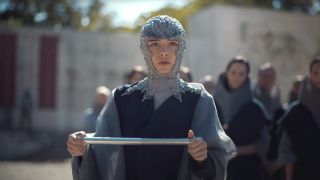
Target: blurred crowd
point(274, 140)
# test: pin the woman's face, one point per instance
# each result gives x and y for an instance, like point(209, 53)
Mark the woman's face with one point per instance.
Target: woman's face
point(236, 75)
point(163, 54)
point(315, 75)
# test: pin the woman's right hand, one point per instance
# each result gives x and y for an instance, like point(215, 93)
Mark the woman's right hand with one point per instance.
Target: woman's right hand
point(75, 144)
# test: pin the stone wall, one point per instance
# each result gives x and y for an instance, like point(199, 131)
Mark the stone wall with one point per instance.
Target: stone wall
point(289, 41)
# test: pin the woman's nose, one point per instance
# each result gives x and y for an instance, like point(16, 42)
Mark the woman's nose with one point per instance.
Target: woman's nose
point(163, 53)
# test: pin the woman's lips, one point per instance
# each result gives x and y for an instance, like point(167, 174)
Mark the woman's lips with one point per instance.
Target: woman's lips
point(164, 63)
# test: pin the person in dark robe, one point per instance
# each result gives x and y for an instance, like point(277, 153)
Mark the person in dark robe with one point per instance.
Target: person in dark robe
point(300, 146)
point(244, 118)
point(295, 90)
point(268, 93)
point(160, 106)
point(266, 90)
point(26, 112)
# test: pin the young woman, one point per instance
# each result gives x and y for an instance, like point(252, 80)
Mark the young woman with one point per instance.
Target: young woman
point(160, 106)
point(244, 119)
point(300, 145)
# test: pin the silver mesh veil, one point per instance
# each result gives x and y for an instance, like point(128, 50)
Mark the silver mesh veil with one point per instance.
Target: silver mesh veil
point(166, 27)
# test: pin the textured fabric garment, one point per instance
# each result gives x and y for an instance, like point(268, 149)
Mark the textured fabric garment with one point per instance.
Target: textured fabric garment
point(248, 124)
point(275, 135)
point(231, 101)
point(171, 120)
point(162, 92)
point(271, 100)
point(248, 128)
point(303, 136)
point(110, 160)
point(247, 167)
point(310, 97)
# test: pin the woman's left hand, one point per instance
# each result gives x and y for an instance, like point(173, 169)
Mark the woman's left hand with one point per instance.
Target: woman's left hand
point(197, 149)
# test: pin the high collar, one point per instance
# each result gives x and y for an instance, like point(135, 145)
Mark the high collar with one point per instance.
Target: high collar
point(230, 101)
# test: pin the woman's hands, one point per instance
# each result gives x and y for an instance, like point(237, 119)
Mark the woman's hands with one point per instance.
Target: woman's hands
point(75, 144)
point(197, 149)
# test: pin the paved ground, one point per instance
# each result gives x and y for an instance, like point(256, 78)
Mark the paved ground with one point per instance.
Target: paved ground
point(16, 170)
point(18, 146)
point(36, 156)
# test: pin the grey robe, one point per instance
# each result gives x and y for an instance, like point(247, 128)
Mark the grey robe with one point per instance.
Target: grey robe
point(106, 162)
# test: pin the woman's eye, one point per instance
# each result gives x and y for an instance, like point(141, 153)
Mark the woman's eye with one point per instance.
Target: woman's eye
point(173, 43)
point(154, 44)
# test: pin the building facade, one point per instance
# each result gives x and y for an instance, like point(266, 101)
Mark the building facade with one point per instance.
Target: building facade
point(52, 76)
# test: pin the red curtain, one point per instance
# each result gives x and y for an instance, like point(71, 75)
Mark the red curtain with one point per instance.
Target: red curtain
point(47, 71)
point(7, 70)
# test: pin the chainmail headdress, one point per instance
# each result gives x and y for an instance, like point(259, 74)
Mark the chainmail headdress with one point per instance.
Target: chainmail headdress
point(165, 27)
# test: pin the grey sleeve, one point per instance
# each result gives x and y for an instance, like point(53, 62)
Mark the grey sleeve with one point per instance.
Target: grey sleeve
point(206, 124)
point(108, 120)
point(87, 167)
point(286, 154)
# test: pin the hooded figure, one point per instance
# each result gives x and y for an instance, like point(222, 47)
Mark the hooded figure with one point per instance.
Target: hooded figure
point(158, 85)
point(300, 133)
point(244, 120)
point(160, 106)
point(267, 92)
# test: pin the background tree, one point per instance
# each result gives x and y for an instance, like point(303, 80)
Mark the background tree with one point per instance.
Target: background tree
point(87, 16)
point(57, 13)
point(298, 5)
point(97, 21)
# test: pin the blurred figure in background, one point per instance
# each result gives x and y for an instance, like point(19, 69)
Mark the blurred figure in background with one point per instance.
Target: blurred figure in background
point(277, 172)
point(208, 82)
point(295, 90)
point(266, 91)
point(185, 74)
point(92, 113)
point(26, 112)
point(245, 120)
point(300, 146)
point(135, 75)
point(269, 94)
